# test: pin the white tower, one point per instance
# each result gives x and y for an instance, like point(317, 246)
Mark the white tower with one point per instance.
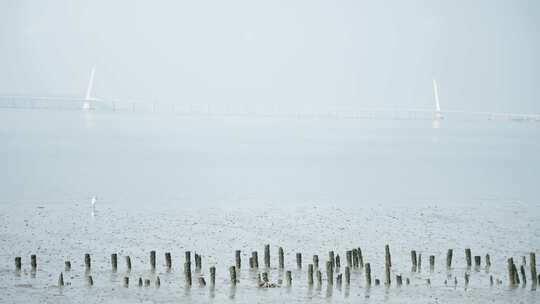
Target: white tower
point(88, 98)
point(437, 113)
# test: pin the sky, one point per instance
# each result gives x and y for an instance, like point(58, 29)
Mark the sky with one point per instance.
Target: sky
point(290, 54)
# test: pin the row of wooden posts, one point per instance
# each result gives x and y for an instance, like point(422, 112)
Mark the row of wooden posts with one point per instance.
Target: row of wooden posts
point(354, 259)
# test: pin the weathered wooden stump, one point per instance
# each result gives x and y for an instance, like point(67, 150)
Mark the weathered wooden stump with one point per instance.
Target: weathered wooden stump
point(153, 260)
point(213, 275)
point(449, 255)
point(511, 275)
point(67, 266)
point(281, 258)
point(368, 273)
point(347, 275)
point(187, 272)
point(147, 283)
point(316, 261)
point(387, 256)
point(238, 259)
point(488, 261)
point(310, 274)
point(477, 260)
point(267, 256)
point(523, 276)
point(33, 262)
point(532, 265)
point(299, 260)
point(319, 278)
point(232, 274)
point(128, 263)
point(114, 262)
point(399, 280)
point(140, 282)
point(158, 282)
point(432, 262)
point(168, 261)
point(329, 273)
point(89, 280)
point(255, 257)
point(18, 263)
point(468, 257)
point(338, 262)
point(288, 277)
point(361, 257)
point(332, 258)
point(126, 282)
point(61, 280)
point(414, 260)
point(348, 256)
point(87, 261)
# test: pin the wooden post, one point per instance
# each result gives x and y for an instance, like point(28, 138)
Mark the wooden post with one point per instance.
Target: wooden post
point(251, 265)
point(146, 283)
point(128, 263)
point(431, 262)
point(399, 280)
point(523, 276)
point(449, 255)
point(339, 280)
point(355, 257)
point(187, 272)
point(33, 262)
point(188, 256)
point(153, 260)
point(267, 256)
point(407, 281)
point(265, 277)
point(477, 260)
point(414, 260)
point(349, 258)
point(213, 275)
point(338, 262)
point(87, 261)
point(140, 282)
point(255, 257)
point(466, 279)
point(387, 280)
point(232, 274)
point(18, 264)
point(281, 258)
point(238, 259)
point(67, 266)
point(419, 262)
point(361, 257)
point(329, 273)
point(319, 278)
point(288, 277)
point(332, 259)
point(316, 261)
point(61, 280)
point(310, 274)
point(387, 256)
point(511, 275)
point(468, 257)
point(532, 264)
point(168, 261)
point(114, 262)
point(491, 280)
point(299, 260)
point(347, 275)
point(158, 282)
point(368, 274)
point(126, 282)
point(89, 280)
point(488, 261)
point(516, 274)
point(377, 282)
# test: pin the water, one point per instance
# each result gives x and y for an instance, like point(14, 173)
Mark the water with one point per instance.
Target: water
point(216, 184)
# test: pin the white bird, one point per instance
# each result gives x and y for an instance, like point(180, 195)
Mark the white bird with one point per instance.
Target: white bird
point(94, 200)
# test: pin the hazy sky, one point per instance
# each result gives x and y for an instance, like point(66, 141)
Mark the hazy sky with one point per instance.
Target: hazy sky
point(298, 54)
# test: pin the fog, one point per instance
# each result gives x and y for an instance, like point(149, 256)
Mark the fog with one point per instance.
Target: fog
point(277, 54)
